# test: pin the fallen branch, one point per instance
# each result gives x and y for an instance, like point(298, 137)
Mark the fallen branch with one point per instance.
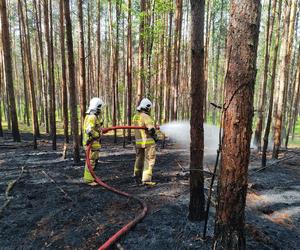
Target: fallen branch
point(183, 169)
point(8, 189)
point(58, 186)
point(274, 163)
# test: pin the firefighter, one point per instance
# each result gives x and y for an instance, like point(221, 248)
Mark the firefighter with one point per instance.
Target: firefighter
point(145, 141)
point(91, 134)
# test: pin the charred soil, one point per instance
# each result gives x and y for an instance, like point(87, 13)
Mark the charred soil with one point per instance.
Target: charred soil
point(45, 205)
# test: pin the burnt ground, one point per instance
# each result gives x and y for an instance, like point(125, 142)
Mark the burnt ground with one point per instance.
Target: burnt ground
point(50, 207)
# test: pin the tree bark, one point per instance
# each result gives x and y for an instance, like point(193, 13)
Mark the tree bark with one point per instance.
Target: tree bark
point(129, 70)
point(271, 100)
point(99, 69)
point(27, 50)
point(282, 81)
point(63, 72)
point(197, 200)
point(259, 125)
point(206, 53)
point(242, 42)
point(295, 100)
point(41, 50)
point(72, 84)
point(82, 74)
point(217, 72)
point(176, 62)
point(26, 108)
point(167, 89)
point(6, 46)
point(51, 94)
point(141, 79)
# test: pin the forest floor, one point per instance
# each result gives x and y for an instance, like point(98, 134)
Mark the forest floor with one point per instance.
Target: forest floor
point(50, 208)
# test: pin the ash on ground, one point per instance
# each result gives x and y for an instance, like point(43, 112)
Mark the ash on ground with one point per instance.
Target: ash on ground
point(50, 208)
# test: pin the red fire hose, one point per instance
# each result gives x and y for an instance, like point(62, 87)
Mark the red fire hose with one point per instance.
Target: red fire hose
point(140, 216)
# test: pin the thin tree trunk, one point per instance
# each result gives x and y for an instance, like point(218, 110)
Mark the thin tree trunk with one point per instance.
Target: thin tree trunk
point(63, 72)
point(51, 93)
point(197, 200)
point(44, 77)
point(82, 73)
point(72, 83)
point(242, 46)
point(261, 110)
point(27, 50)
point(26, 111)
point(6, 46)
point(217, 73)
point(167, 89)
point(271, 100)
point(176, 62)
point(141, 79)
point(282, 82)
point(99, 69)
point(206, 53)
point(295, 100)
point(129, 70)
point(113, 70)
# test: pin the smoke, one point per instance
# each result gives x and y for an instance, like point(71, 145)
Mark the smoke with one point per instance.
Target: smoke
point(179, 132)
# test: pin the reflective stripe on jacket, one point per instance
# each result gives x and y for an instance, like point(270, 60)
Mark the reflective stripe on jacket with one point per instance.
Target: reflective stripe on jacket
point(142, 136)
point(91, 131)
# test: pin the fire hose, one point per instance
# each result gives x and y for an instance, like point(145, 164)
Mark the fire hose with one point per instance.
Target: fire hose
point(140, 216)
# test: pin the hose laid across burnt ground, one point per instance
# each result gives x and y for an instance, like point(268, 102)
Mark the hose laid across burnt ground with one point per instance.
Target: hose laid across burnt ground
point(114, 238)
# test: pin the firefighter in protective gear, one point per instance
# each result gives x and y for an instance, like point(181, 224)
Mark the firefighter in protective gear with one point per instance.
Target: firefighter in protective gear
point(145, 140)
point(91, 135)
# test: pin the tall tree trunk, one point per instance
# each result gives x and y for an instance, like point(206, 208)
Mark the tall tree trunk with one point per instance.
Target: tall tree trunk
point(72, 83)
point(217, 72)
point(197, 200)
point(273, 76)
point(168, 72)
point(99, 69)
point(44, 77)
point(27, 50)
point(295, 100)
point(6, 46)
point(113, 69)
point(206, 54)
point(51, 93)
point(129, 69)
point(282, 81)
point(176, 62)
point(63, 72)
point(141, 79)
point(82, 74)
point(259, 125)
point(242, 45)
point(26, 108)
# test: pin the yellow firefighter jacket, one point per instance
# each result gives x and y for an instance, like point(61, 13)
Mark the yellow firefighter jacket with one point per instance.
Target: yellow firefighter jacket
point(91, 131)
point(143, 138)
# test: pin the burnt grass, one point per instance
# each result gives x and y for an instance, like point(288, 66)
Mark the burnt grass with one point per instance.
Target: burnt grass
point(50, 207)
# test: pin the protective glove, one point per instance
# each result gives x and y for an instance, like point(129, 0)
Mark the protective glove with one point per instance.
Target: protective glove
point(153, 134)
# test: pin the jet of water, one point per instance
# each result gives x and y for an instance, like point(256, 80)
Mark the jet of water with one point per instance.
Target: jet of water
point(179, 131)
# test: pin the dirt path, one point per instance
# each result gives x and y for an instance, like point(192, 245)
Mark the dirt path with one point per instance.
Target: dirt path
point(50, 208)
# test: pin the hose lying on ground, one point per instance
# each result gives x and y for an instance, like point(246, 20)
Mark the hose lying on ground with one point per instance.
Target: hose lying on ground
point(139, 217)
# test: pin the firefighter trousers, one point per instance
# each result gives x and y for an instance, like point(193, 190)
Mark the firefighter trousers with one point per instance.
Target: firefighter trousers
point(93, 159)
point(144, 163)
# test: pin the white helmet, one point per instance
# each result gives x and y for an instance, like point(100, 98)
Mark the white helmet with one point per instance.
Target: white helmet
point(145, 104)
point(95, 104)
